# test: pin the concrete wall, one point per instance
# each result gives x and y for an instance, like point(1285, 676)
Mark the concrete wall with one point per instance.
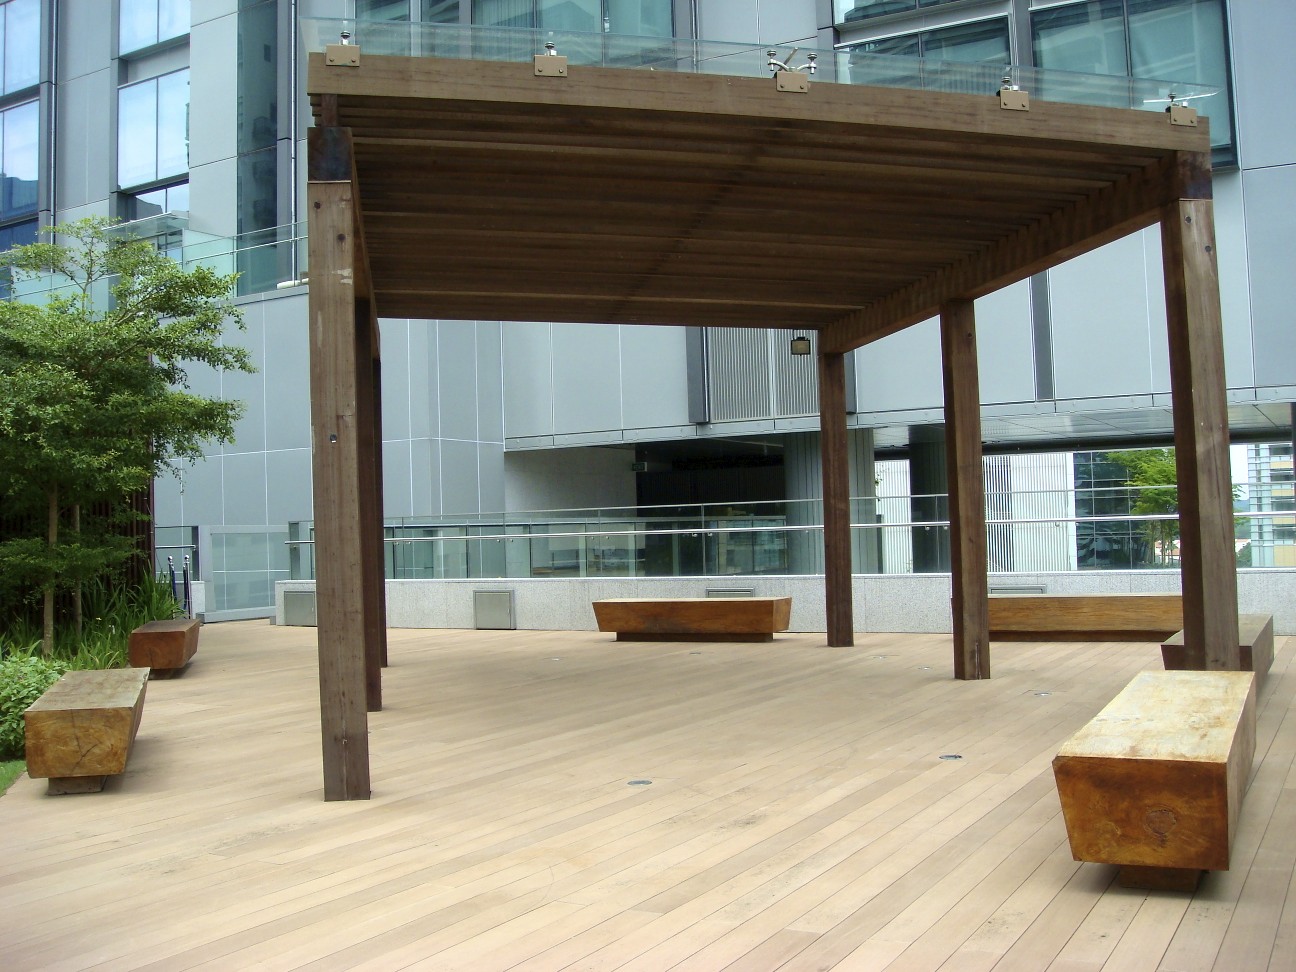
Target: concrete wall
point(910, 602)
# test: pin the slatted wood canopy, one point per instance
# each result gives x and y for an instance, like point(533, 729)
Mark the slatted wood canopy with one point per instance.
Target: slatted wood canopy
point(457, 189)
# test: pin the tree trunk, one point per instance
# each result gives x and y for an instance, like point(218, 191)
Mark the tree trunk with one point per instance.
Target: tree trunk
point(76, 591)
point(47, 626)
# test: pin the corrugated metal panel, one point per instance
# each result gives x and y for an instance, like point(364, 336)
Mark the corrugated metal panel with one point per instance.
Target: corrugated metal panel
point(1042, 489)
point(893, 506)
point(752, 374)
point(998, 499)
point(796, 378)
point(739, 372)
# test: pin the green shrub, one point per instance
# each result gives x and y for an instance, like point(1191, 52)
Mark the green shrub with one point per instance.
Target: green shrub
point(23, 679)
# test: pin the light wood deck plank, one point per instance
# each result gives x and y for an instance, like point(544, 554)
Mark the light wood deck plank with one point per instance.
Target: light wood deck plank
point(798, 817)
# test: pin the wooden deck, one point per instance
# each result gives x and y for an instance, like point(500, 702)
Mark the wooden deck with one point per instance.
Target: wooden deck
point(799, 817)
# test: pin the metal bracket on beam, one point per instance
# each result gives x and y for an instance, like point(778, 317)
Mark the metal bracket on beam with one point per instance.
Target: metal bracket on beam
point(550, 64)
point(1013, 98)
point(1182, 115)
point(789, 78)
point(792, 81)
point(344, 54)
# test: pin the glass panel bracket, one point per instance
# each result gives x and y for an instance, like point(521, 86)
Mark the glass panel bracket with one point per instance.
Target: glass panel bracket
point(1012, 97)
point(1182, 115)
point(788, 78)
point(344, 54)
point(550, 64)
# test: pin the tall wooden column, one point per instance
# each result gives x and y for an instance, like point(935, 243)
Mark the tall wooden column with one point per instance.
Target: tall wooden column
point(966, 490)
point(341, 425)
point(836, 500)
point(1208, 565)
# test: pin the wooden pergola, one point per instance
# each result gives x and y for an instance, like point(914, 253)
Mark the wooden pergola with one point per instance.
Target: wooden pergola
point(459, 189)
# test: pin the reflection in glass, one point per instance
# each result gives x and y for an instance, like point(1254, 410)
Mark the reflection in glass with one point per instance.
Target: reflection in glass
point(503, 13)
point(173, 124)
point(581, 15)
point(169, 199)
point(985, 42)
point(385, 10)
point(647, 18)
point(1084, 37)
point(137, 26)
point(143, 23)
point(18, 152)
point(153, 129)
point(173, 19)
point(1168, 39)
point(1174, 39)
point(137, 133)
point(21, 43)
point(440, 12)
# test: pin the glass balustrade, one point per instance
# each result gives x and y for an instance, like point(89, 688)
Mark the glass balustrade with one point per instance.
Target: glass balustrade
point(890, 535)
point(681, 55)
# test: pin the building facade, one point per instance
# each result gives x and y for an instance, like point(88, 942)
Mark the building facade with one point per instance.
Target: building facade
point(190, 116)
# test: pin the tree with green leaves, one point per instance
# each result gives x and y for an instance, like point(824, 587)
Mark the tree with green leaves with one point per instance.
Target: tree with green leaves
point(1153, 473)
point(94, 393)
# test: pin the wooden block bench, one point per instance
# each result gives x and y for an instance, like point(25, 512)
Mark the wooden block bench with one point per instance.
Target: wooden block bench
point(1085, 617)
point(1255, 647)
point(1154, 783)
point(694, 618)
point(164, 646)
point(81, 730)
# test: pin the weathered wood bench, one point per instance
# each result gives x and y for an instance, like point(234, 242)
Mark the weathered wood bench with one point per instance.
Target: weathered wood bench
point(164, 646)
point(694, 618)
point(1155, 782)
point(1255, 647)
point(1085, 617)
point(82, 729)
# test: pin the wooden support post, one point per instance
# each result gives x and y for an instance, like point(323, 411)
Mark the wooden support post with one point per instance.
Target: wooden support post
point(966, 490)
point(339, 489)
point(1208, 566)
point(380, 547)
point(368, 421)
point(836, 500)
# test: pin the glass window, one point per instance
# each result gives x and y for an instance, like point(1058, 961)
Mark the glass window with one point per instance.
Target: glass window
point(386, 10)
point(155, 202)
point(850, 11)
point(982, 42)
point(1169, 40)
point(582, 15)
point(20, 43)
point(143, 23)
point(1180, 41)
point(1085, 37)
point(153, 129)
point(440, 12)
point(503, 13)
point(985, 41)
point(19, 153)
point(398, 11)
point(645, 18)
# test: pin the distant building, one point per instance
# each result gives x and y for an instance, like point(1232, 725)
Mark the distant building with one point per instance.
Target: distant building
point(192, 113)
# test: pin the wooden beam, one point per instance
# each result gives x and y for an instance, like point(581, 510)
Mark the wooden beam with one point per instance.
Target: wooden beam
point(966, 490)
point(369, 456)
point(339, 495)
point(718, 101)
point(836, 501)
point(1208, 566)
point(1107, 215)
